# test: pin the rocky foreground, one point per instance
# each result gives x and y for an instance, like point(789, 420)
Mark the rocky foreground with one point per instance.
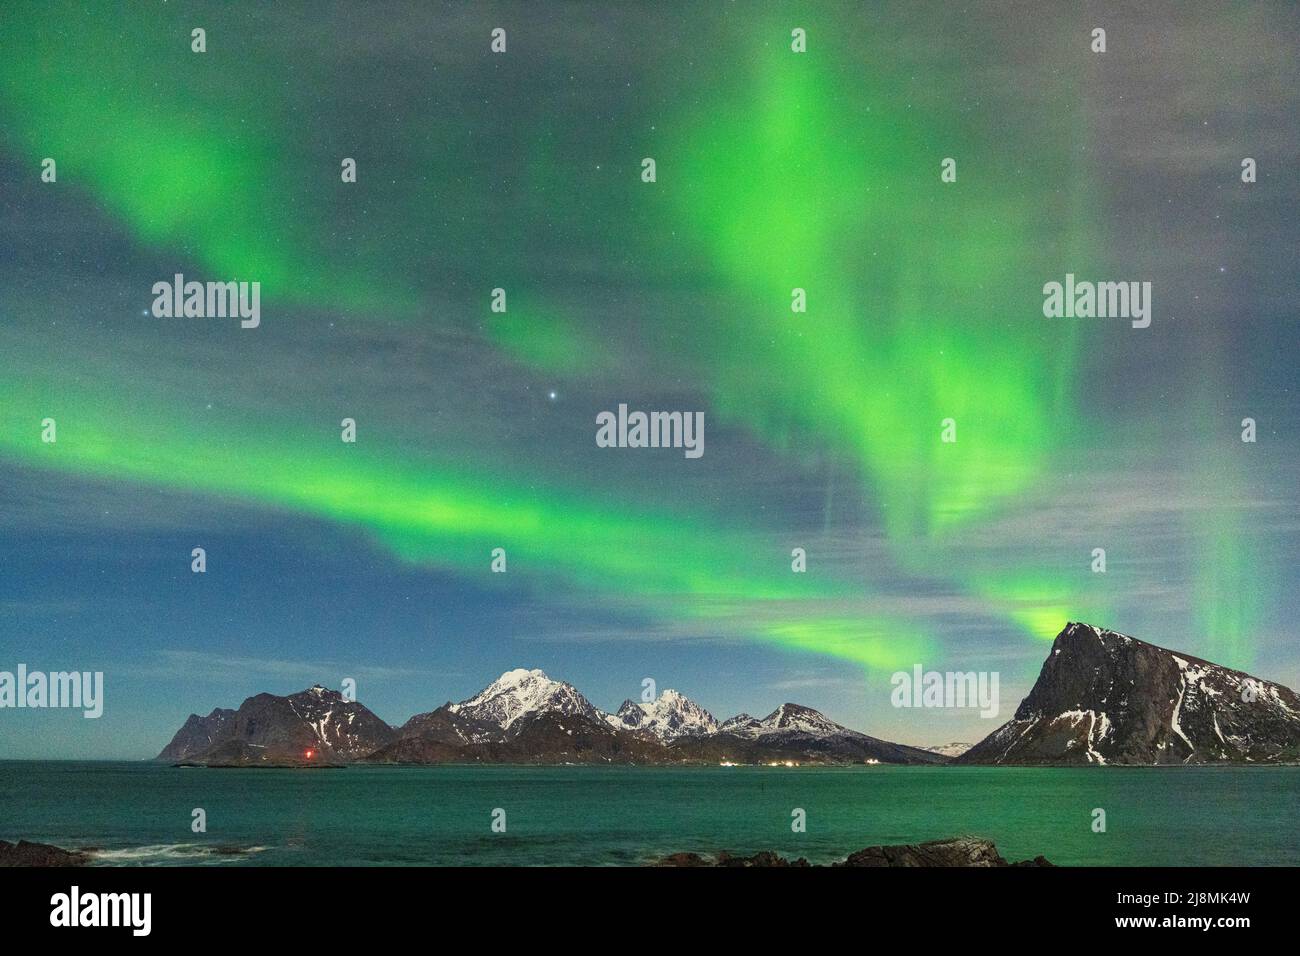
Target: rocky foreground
point(23, 853)
point(959, 851)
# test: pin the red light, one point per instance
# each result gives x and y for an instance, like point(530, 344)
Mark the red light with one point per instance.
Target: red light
point(310, 754)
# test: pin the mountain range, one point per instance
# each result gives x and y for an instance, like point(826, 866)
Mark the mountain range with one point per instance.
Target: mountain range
point(1101, 698)
point(522, 717)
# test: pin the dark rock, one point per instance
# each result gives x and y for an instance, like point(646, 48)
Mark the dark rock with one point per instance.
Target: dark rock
point(23, 853)
point(684, 859)
point(959, 851)
point(962, 851)
point(764, 858)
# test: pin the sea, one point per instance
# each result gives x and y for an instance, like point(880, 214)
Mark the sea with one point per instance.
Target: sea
point(144, 814)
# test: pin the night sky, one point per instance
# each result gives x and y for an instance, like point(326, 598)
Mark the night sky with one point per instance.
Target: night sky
point(522, 170)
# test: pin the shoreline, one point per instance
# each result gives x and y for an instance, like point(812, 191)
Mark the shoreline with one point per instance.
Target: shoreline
point(961, 851)
point(1218, 765)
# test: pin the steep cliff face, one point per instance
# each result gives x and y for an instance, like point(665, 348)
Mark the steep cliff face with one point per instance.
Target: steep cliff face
point(199, 734)
point(1106, 698)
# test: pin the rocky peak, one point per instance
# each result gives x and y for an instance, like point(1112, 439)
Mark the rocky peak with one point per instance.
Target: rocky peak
point(1104, 697)
point(270, 728)
point(741, 725)
point(669, 716)
point(521, 693)
point(796, 717)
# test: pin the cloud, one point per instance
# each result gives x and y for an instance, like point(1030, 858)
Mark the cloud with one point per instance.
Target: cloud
point(173, 664)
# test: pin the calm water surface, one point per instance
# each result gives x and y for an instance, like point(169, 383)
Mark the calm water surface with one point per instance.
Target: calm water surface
point(141, 812)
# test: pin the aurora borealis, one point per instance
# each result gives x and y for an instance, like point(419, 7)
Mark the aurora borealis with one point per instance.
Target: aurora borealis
point(521, 171)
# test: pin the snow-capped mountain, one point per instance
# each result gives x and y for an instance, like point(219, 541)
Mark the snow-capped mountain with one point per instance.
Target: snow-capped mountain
point(793, 734)
point(786, 719)
point(954, 749)
point(669, 716)
point(741, 725)
point(520, 693)
point(522, 717)
point(795, 718)
point(1107, 698)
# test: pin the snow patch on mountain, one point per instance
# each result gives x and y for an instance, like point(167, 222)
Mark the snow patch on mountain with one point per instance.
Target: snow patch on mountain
point(788, 719)
point(522, 693)
point(669, 716)
point(1104, 697)
point(318, 707)
point(954, 749)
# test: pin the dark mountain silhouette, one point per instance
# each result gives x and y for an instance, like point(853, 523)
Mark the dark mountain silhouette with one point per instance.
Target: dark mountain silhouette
point(1106, 698)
